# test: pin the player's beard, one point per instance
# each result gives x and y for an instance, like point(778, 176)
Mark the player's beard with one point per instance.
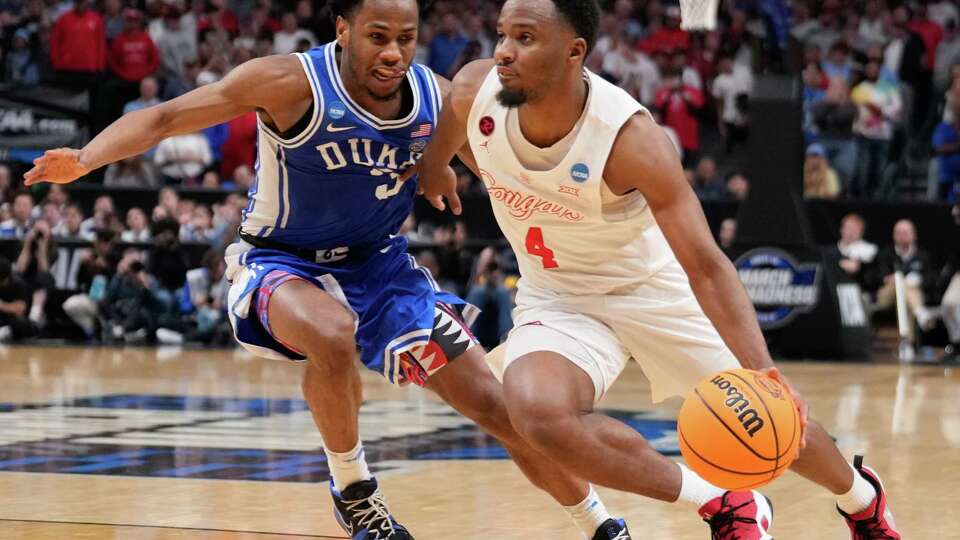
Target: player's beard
point(512, 98)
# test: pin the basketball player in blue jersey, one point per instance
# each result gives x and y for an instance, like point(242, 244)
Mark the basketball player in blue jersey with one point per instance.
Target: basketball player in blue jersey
point(617, 261)
point(319, 274)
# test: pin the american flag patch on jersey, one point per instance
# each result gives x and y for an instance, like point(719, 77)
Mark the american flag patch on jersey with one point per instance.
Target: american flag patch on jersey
point(423, 130)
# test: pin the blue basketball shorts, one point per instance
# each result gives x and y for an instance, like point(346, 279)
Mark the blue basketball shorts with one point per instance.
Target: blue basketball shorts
point(405, 327)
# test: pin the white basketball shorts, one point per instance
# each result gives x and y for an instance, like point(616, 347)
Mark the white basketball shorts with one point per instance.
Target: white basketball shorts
point(659, 324)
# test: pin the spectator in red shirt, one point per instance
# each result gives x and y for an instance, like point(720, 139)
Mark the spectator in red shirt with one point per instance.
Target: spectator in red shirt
point(78, 45)
point(217, 10)
point(133, 55)
point(240, 148)
point(931, 34)
point(678, 104)
point(669, 38)
point(929, 31)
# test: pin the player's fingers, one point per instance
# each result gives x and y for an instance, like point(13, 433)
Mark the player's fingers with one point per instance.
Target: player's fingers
point(437, 203)
point(455, 205)
point(33, 176)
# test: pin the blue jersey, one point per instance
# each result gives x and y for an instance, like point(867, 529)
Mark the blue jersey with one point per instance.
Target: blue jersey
point(336, 183)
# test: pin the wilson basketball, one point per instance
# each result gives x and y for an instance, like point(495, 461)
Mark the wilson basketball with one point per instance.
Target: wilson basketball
point(739, 429)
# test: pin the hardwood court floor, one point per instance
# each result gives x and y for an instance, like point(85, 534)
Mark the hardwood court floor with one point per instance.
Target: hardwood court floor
point(198, 445)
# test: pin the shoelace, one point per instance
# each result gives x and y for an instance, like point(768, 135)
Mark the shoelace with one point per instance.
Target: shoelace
point(375, 517)
point(871, 529)
point(726, 521)
point(622, 535)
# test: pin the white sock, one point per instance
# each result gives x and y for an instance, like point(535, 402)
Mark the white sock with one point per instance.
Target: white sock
point(860, 496)
point(695, 490)
point(589, 514)
point(347, 468)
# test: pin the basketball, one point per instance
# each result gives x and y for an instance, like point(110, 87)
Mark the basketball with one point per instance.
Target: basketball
point(739, 429)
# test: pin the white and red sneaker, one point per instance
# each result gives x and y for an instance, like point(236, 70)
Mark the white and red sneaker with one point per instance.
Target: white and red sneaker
point(876, 522)
point(740, 515)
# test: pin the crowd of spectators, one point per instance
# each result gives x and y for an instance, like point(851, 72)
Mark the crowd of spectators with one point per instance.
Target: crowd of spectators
point(880, 81)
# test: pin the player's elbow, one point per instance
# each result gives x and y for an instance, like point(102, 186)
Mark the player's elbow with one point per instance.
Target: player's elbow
point(156, 123)
point(707, 266)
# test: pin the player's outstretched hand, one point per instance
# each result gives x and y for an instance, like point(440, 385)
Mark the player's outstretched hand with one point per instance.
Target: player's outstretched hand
point(802, 406)
point(60, 166)
point(436, 184)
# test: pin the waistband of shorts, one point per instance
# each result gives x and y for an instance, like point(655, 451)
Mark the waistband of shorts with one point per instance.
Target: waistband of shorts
point(319, 256)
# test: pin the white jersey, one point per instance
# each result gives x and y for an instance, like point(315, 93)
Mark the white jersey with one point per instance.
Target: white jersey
point(571, 235)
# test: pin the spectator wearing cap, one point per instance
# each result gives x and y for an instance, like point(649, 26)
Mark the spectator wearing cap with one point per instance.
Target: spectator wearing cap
point(946, 147)
point(14, 302)
point(20, 66)
point(133, 54)
point(819, 179)
point(447, 45)
point(78, 46)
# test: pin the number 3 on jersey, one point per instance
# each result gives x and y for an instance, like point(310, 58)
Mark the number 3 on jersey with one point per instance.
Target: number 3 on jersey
point(537, 247)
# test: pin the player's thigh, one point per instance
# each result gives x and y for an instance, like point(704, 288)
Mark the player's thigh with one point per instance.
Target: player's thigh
point(668, 334)
point(590, 350)
point(306, 318)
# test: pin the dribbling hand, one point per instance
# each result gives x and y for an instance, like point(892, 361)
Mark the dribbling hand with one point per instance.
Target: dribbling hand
point(801, 403)
point(60, 166)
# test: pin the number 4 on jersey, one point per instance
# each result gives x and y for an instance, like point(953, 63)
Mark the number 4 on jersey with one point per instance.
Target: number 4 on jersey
point(537, 247)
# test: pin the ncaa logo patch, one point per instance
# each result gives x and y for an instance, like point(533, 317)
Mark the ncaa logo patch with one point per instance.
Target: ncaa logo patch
point(337, 110)
point(487, 125)
point(580, 172)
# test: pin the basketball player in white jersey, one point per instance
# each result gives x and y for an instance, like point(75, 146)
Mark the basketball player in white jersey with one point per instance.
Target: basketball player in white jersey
point(591, 195)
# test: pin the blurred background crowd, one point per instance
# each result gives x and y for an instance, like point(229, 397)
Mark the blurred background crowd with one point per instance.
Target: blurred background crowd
point(134, 255)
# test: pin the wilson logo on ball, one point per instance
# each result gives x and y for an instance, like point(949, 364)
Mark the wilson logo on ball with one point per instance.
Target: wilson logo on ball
point(739, 404)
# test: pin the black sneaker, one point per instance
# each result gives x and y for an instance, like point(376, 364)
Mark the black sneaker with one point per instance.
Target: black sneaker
point(613, 529)
point(362, 511)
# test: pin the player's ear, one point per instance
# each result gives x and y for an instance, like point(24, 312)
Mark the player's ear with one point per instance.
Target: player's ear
point(343, 32)
point(578, 50)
